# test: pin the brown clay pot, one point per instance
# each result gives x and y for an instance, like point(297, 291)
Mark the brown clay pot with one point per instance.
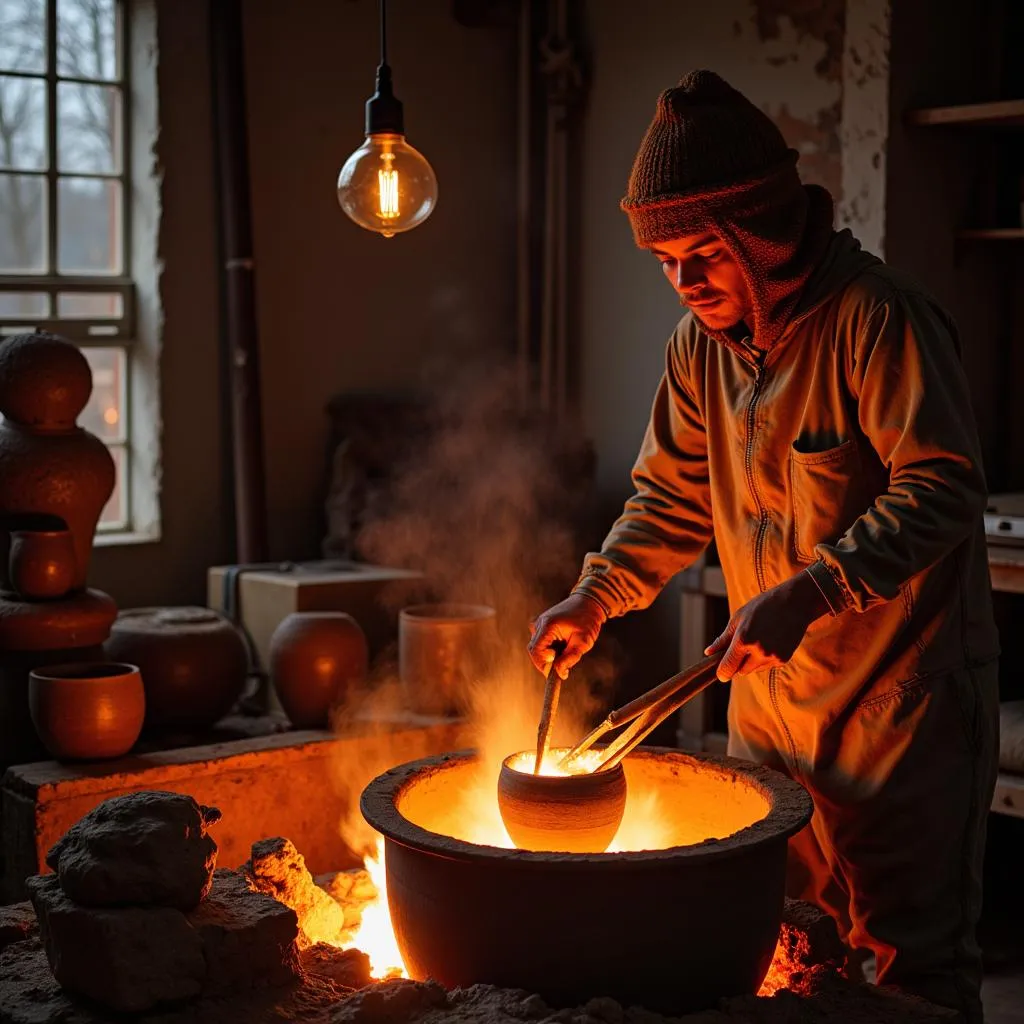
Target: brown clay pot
point(315, 658)
point(87, 711)
point(442, 650)
point(42, 563)
point(194, 663)
point(50, 467)
point(563, 813)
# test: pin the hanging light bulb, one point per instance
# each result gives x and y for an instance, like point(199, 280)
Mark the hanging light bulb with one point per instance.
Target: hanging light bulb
point(386, 185)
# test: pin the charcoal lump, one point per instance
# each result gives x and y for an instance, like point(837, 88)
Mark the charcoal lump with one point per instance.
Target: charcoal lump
point(143, 849)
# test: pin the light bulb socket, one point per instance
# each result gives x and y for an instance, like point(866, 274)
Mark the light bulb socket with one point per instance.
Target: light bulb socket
point(383, 110)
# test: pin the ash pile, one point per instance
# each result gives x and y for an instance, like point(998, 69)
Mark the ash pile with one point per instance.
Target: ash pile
point(137, 920)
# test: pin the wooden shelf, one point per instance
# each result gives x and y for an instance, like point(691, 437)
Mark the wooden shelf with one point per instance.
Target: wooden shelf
point(991, 235)
point(1000, 114)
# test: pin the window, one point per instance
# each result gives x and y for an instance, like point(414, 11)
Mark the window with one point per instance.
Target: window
point(64, 199)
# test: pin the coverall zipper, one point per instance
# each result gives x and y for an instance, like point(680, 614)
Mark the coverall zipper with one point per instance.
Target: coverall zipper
point(762, 528)
point(762, 512)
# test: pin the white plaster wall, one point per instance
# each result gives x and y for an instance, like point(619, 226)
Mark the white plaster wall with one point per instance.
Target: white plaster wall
point(179, 321)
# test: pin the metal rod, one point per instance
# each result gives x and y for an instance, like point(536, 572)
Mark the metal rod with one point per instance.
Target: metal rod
point(646, 713)
point(703, 669)
point(649, 721)
point(552, 690)
point(524, 190)
point(239, 327)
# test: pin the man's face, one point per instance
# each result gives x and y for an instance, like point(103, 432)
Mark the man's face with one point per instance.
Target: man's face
point(706, 278)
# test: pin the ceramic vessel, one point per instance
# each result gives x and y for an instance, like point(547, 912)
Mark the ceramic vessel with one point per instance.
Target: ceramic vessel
point(674, 927)
point(443, 649)
point(570, 813)
point(194, 663)
point(315, 658)
point(42, 563)
point(51, 468)
point(87, 711)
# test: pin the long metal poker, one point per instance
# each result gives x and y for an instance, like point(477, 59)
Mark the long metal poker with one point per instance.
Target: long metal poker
point(552, 690)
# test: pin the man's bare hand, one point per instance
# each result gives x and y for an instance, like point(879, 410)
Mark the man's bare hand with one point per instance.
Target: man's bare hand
point(767, 630)
point(576, 622)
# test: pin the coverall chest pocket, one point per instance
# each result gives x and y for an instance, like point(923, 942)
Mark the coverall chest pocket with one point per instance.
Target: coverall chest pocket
point(823, 490)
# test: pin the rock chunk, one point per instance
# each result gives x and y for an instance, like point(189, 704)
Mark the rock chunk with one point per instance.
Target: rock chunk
point(808, 953)
point(247, 938)
point(348, 969)
point(143, 849)
point(391, 1002)
point(126, 958)
point(17, 923)
point(278, 869)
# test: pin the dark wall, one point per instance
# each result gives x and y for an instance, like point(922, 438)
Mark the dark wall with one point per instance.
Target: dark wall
point(940, 180)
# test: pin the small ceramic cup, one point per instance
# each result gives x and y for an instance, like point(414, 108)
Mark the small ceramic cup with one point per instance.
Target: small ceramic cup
point(42, 563)
point(87, 711)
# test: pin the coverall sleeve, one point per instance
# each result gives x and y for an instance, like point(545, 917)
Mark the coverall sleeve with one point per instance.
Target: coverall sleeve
point(913, 406)
point(666, 524)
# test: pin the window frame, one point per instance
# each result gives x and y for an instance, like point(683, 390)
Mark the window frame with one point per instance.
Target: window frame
point(87, 332)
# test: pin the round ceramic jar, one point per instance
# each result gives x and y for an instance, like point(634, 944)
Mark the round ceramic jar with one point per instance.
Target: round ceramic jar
point(315, 658)
point(194, 663)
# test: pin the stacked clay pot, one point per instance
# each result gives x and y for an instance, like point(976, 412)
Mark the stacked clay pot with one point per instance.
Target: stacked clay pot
point(55, 479)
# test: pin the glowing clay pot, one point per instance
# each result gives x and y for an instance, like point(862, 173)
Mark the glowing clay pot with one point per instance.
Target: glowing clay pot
point(566, 813)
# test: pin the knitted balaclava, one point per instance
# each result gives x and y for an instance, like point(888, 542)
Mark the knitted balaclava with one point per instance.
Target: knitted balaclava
point(712, 161)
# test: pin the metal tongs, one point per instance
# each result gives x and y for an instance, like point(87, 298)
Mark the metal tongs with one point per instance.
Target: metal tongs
point(645, 714)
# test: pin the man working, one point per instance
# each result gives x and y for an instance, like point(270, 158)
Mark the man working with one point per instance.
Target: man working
point(814, 419)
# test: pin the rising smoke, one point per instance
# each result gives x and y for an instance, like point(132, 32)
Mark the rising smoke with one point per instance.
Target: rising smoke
point(487, 506)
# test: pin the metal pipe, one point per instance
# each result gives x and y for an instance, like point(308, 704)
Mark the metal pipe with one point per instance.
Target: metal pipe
point(239, 333)
point(523, 286)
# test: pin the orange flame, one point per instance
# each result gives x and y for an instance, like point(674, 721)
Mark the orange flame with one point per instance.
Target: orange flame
point(375, 936)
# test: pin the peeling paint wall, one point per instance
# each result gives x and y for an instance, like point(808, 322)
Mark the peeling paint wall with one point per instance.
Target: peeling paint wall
point(806, 39)
point(864, 125)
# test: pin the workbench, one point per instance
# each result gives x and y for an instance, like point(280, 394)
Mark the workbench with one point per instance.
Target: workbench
point(700, 728)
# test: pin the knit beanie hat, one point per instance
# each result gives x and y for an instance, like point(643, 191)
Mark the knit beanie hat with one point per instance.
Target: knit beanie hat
point(713, 161)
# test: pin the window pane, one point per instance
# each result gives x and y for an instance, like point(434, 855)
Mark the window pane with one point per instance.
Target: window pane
point(104, 415)
point(22, 220)
point(87, 39)
point(115, 514)
point(88, 226)
point(21, 305)
point(90, 305)
point(88, 128)
point(22, 123)
point(23, 35)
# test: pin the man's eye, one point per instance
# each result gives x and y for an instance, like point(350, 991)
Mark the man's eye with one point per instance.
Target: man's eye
point(713, 256)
